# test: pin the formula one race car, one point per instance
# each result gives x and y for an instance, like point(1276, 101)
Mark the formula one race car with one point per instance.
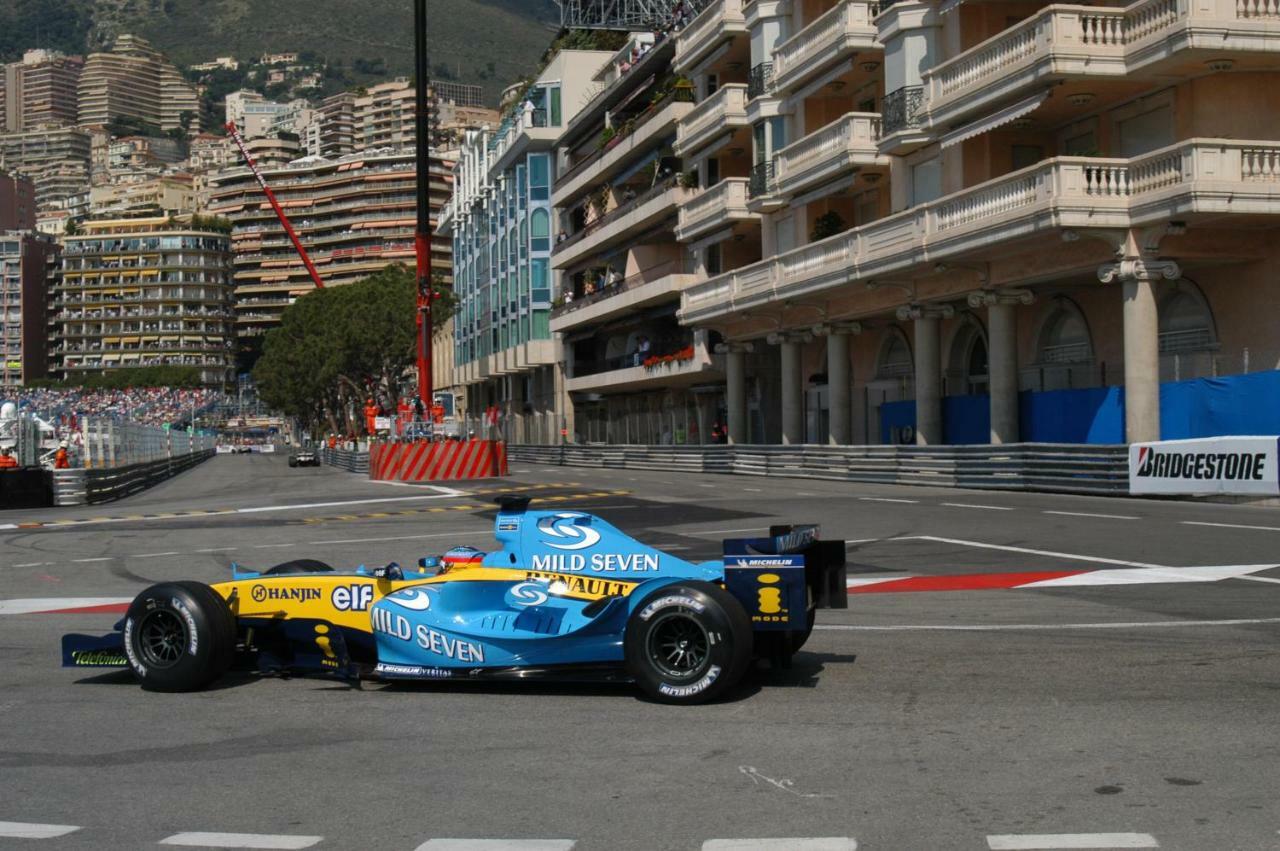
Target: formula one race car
point(568, 597)
point(304, 458)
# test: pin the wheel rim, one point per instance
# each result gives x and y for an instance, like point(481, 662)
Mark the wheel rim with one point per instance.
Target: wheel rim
point(162, 638)
point(678, 646)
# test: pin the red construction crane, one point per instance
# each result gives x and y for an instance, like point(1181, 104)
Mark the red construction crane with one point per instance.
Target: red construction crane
point(275, 205)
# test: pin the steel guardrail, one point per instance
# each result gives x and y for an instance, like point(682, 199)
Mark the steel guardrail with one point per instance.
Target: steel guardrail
point(346, 459)
point(1050, 467)
point(80, 486)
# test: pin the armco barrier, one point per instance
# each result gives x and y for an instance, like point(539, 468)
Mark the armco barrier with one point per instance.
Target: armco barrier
point(448, 460)
point(77, 487)
point(346, 459)
point(1063, 468)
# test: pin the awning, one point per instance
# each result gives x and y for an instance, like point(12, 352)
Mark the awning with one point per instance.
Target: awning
point(130, 341)
point(995, 119)
point(111, 357)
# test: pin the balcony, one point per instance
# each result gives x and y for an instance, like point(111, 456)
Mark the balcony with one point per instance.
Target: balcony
point(1209, 177)
point(630, 220)
point(648, 287)
point(647, 130)
point(692, 365)
point(760, 80)
point(719, 22)
point(1062, 42)
point(835, 36)
point(716, 207)
point(838, 149)
point(715, 117)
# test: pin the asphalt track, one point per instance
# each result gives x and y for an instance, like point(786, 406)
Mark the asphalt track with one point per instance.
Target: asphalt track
point(1134, 707)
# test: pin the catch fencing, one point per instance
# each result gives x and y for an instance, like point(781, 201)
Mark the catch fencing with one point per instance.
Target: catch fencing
point(1060, 468)
point(79, 486)
point(105, 443)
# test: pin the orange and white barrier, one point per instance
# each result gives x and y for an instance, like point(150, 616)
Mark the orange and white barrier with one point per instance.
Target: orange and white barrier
point(426, 461)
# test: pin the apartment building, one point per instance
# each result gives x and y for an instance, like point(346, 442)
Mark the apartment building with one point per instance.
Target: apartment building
point(632, 372)
point(385, 116)
point(355, 216)
point(54, 159)
point(333, 134)
point(171, 194)
point(133, 81)
point(39, 91)
point(17, 203)
point(502, 229)
point(982, 222)
point(144, 292)
point(24, 292)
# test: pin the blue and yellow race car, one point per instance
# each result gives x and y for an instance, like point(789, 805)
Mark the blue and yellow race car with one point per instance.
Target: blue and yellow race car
point(568, 596)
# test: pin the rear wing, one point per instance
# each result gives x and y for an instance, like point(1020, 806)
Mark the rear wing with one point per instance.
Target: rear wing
point(780, 579)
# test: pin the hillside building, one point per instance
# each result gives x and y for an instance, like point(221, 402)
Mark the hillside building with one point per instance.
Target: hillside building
point(25, 261)
point(144, 292)
point(355, 216)
point(54, 159)
point(39, 91)
point(134, 82)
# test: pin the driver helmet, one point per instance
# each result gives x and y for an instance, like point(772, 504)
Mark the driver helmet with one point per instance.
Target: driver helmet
point(462, 557)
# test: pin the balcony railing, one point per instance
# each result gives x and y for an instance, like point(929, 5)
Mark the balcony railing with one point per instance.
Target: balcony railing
point(843, 30)
point(706, 30)
point(715, 206)
point(640, 279)
point(726, 108)
point(613, 215)
point(762, 182)
point(847, 141)
point(1056, 193)
point(760, 80)
point(902, 109)
point(1093, 41)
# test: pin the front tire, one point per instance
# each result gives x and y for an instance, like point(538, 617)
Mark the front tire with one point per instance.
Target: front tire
point(688, 643)
point(179, 636)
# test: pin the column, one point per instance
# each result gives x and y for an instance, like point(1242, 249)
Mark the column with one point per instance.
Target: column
point(1137, 277)
point(792, 390)
point(735, 392)
point(1002, 359)
point(928, 370)
point(839, 380)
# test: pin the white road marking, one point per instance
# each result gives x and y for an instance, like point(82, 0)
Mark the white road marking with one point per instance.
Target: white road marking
point(216, 549)
point(34, 564)
point(815, 843)
point(1151, 575)
point(240, 840)
point(497, 845)
point(49, 604)
point(1098, 516)
point(156, 555)
point(444, 493)
point(861, 541)
point(1259, 579)
point(887, 499)
point(87, 560)
point(1013, 627)
point(708, 486)
point(1231, 526)
point(1068, 556)
point(453, 534)
point(754, 490)
point(1055, 841)
point(272, 546)
point(24, 830)
point(972, 505)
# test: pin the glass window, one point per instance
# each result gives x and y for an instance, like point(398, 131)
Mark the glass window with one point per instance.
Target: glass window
point(539, 178)
point(554, 98)
point(542, 325)
point(540, 230)
point(538, 275)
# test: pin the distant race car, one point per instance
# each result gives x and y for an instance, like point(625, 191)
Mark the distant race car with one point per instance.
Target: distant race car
point(241, 450)
point(304, 458)
point(568, 596)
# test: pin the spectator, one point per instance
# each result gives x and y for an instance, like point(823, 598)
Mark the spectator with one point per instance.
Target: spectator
point(7, 461)
point(60, 459)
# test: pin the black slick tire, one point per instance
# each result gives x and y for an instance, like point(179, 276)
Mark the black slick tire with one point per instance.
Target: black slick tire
point(179, 636)
point(687, 643)
point(298, 565)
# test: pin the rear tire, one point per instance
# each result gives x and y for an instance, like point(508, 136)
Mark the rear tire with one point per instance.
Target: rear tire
point(179, 636)
point(298, 565)
point(688, 643)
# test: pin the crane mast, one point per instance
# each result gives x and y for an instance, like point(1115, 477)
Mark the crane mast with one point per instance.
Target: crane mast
point(275, 205)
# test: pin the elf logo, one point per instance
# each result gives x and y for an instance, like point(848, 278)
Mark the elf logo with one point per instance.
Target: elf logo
point(1232, 466)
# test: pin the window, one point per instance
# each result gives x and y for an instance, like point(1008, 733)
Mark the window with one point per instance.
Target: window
point(539, 178)
point(540, 230)
point(522, 190)
point(926, 181)
point(542, 325)
point(554, 98)
point(1065, 338)
point(711, 254)
point(895, 357)
point(539, 280)
point(1186, 324)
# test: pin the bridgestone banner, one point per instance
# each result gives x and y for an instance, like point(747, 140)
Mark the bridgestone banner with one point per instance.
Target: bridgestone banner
point(1226, 465)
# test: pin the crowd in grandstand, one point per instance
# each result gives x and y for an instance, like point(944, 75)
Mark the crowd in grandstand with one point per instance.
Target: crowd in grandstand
point(149, 405)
